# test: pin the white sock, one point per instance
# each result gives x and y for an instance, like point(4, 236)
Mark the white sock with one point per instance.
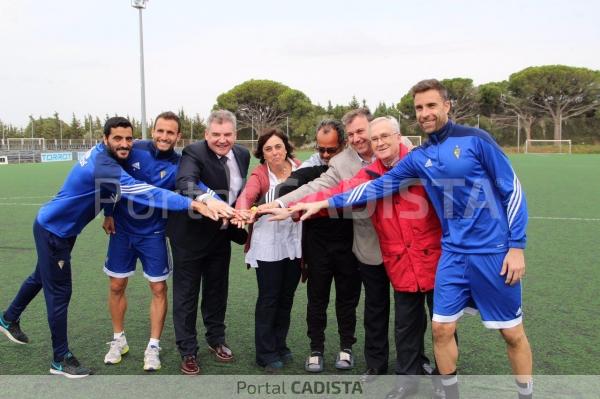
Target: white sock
point(118, 335)
point(153, 342)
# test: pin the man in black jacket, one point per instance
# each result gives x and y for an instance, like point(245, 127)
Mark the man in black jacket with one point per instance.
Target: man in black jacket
point(327, 254)
point(201, 247)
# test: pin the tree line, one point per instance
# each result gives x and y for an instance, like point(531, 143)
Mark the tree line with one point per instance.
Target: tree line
point(543, 102)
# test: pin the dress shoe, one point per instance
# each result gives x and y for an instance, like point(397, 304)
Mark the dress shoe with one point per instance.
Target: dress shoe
point(221, 352)
point(371, 374)
point(402, 391)
point(189, 365)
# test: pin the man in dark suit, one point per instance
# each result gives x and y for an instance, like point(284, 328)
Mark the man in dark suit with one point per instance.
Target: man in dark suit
point(201, 247)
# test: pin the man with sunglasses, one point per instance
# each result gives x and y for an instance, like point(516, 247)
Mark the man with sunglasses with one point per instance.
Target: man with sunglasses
point(327, 145)
point(327, 257)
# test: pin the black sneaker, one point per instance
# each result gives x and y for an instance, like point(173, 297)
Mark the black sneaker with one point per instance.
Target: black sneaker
point(70, 367)
point(12, 330)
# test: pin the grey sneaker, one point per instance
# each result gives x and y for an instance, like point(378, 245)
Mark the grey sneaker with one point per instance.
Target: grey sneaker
point(345, 360)
point(152, 359)
point(12, 330)
point(314, 363)
point(70, 367)
point(118, 347)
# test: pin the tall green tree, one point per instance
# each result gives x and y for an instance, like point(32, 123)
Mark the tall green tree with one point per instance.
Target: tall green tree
point(46, 128)
point(559, 91)
point(260, 104)
point(75, 130)
point(463, 97)
point(503, 111)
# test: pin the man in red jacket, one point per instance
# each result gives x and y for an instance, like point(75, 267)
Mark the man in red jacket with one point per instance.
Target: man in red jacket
point(409, 237)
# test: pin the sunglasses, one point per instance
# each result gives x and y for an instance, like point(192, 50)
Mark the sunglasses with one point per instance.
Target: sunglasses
point(329, 150)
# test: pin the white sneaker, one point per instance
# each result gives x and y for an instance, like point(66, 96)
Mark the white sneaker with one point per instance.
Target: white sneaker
point(152, 359)
point(118, 347)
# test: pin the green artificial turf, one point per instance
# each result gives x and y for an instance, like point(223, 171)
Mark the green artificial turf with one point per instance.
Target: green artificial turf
point(561, 300)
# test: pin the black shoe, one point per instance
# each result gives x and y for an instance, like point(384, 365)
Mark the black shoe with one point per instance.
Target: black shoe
point(402, 391)
point(274, 367)
point(371, 374)
point(12, 330)
point(287, 358)
point(70, 367)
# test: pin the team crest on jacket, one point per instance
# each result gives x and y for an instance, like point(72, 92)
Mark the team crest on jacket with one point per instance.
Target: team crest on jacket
point(61, 264)
point(457, 152)
point(163, 173)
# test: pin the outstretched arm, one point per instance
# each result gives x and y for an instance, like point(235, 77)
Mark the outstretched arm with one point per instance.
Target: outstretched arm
point(401, 176)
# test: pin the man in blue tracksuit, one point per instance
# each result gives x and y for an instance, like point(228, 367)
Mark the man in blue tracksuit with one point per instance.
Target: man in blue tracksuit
point(96, 181)
point(482, 209)
point(138, 231)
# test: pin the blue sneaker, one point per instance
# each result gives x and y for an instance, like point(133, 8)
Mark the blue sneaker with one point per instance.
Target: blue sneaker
point(70, 367)
point(12, 330)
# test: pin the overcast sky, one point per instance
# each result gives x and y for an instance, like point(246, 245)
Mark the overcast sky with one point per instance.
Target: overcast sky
point(83, 56)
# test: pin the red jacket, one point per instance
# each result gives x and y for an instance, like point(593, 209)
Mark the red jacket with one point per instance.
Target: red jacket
point(408, 229)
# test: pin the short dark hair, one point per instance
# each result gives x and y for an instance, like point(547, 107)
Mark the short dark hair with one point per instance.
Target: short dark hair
point(170, 116)
point(114, 122)
point(332, 124)
point(430, 84)
point(350, 115)
point(258, 153)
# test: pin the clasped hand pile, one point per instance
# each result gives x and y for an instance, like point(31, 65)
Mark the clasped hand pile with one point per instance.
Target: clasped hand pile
point(216, 210)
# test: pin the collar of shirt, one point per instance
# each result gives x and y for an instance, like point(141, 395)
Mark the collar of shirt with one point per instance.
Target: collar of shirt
point(158, 154)
point(273, 181)
point(363, 162)
point(229, 155)
point(390, 165)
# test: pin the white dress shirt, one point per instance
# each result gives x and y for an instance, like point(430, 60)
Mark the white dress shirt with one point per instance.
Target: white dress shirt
point(236, 181)
point(273, 241)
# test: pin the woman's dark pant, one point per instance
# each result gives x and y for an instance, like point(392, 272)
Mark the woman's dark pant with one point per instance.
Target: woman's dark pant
point(277, 282)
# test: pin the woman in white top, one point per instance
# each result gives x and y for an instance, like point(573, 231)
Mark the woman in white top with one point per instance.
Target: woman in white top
point(274, 251)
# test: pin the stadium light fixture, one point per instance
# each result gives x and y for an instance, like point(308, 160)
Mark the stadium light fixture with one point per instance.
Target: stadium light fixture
point(140, 5)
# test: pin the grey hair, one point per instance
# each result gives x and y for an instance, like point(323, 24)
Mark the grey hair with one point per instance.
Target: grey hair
point(350, 115)
point(390, 119)
point(221, 116)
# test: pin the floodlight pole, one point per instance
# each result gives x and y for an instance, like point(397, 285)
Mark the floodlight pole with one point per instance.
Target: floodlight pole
point(140, 5)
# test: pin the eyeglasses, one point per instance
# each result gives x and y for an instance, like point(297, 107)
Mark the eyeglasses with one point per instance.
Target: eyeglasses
point(383, 137)
point(329, 150)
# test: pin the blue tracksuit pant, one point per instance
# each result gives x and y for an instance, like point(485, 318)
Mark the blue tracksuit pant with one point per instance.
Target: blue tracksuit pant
point(53, 274)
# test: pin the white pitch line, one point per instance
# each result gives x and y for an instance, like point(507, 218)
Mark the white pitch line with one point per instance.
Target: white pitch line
point(559, 218)
point(29, 197)
point(18, 204)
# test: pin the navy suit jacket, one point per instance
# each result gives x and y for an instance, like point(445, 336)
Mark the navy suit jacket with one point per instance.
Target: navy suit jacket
point(194, 232)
